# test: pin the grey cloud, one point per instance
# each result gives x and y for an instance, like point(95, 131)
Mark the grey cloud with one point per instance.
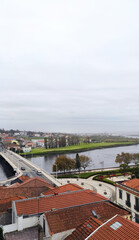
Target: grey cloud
point(69, 65)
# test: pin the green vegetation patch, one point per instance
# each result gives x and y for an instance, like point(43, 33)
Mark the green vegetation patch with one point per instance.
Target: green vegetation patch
point(77, 148)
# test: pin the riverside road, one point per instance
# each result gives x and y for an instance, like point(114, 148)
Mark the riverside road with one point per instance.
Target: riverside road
point(22, 166)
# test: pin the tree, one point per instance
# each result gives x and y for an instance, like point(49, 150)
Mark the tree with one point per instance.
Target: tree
point(77, 162)
point(135, 158)
point(123, 158)
point(124, 168)
point(84, 161)
point(62, 141)
point(136, 172)
point(63, 163)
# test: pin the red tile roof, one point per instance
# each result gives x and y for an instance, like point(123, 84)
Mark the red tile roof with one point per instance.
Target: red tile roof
point(36, 182)
point(24, 178)
point(14, 185)
point(131, 186)
point(30, 188)
point(106, 210)
point(127, 230)
point(46, 203)
point(65, 188)
point(72, 217)
point(133, 183)
point(7, 203)
point(85, 229)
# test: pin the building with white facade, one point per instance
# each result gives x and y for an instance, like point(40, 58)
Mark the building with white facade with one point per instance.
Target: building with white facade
point(127, 196)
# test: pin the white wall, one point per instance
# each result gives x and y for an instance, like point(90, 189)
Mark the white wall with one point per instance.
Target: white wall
point(9, 228)
point(21, 224)
point(30, 222)
point(122, 202)
point(41, 220)
point(62, 235)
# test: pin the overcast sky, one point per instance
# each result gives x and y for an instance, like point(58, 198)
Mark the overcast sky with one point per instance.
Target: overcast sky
point(69, 65)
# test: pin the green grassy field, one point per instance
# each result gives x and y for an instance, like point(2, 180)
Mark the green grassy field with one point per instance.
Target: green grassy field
point(78, 148)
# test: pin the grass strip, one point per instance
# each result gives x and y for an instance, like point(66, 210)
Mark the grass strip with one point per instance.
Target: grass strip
point(76, 148)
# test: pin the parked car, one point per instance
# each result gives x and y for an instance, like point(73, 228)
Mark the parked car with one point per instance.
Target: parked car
point(39, 173)
point(23, 168)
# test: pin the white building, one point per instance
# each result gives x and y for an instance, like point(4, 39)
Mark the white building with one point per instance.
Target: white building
point(127, 196)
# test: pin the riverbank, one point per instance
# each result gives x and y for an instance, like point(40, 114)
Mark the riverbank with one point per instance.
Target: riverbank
point(77, 148)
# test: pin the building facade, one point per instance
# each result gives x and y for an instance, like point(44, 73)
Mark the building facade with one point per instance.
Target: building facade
point(127, 196)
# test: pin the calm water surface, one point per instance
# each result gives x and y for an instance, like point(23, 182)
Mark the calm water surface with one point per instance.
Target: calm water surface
point(107, 156)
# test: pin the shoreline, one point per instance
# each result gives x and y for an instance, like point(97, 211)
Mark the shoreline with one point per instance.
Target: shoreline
point(77, 150)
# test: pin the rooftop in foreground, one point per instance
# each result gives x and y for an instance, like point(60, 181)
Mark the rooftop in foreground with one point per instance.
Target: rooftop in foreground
point(70, 218)
point(117, 228)
point(70, 187)
point(133, 183)
point(41, 204)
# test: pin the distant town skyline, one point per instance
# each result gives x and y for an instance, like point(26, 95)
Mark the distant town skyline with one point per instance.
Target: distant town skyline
point(69, 66)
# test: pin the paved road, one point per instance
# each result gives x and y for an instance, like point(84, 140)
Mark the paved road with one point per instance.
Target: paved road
point(23, 166)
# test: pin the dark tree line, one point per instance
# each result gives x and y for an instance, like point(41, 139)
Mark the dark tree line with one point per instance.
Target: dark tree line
point(60, 141)
point(124, 159)
point(63, 163)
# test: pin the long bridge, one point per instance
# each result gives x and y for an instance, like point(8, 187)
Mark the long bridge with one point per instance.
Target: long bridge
point(22, 166)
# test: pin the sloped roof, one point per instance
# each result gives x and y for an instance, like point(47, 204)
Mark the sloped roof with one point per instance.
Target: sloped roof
point(133, 183)
point(65, 188)
point(106, 210)
point(36, 182)
point(24, 178)
point(33, 187)
point(72, 217)
point(126, 230)
point(85, 229)
point(46, 203)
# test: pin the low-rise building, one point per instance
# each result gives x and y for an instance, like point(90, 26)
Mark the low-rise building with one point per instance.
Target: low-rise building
point(60, 213)
point(127, 196)
point(116, 228)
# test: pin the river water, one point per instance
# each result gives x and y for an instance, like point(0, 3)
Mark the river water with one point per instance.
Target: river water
point(99, 157)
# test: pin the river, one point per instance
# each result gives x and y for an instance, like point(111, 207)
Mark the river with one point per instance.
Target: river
point(99, 157)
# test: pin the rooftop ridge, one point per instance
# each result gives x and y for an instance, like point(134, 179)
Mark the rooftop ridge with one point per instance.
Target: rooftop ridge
point(85, 204)
point(100, 227)
point(126, 187)
point(52, 195)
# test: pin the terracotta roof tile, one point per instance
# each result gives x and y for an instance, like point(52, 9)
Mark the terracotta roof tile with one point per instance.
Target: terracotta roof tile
point(106, 210)
point(7, 203)
point(36, 182)
point(70, 218)
point(24, 178)
point(14, 185)
point(85, 229)
point(133, 183)
point(127, 230)
point(31, 188)
point(46, 203)
point(65, 188)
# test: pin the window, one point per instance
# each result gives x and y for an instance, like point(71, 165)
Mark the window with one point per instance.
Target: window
point(128, 203)
point(116, 225)
point(136, 218)
point(120, 194)
point(136, 206)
